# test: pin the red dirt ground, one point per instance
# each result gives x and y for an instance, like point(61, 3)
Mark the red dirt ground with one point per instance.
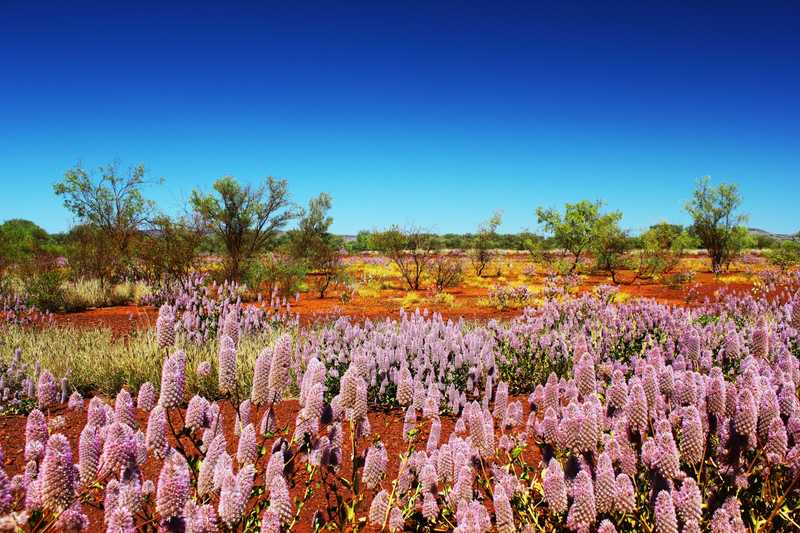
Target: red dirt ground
point(386, 425)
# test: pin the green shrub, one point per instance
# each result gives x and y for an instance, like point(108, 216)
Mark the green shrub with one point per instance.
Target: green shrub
point(786, 255)
point(276, 271)
point(44, 290)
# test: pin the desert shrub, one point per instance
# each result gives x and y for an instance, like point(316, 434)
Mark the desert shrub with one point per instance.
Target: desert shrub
point(277, 273)
point(662, 247)
point(785, 255)
point(329, 273)
point(112, 211)
point(92, 254)
point(44, 289)
point(766, 242)
point(507, 297)
point(170, 249)
point(443, 298)
point(446, 271)
point(412, 300)
point(410, 249)
point(246, 220)
point(481, 252)
point(676, 280)
point(576, 230)
point(610, 245)
point(23, 243)
point(716, 223)
point(312, 244)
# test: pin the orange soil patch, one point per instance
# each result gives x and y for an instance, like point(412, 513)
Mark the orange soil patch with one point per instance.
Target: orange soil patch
point(122, 320)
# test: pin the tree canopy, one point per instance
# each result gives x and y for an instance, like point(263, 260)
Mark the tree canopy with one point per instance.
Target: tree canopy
point(716, 221)
point(247, 219)
point(575, 230)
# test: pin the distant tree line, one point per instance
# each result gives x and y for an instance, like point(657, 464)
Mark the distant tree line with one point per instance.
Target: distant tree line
point(120, 234)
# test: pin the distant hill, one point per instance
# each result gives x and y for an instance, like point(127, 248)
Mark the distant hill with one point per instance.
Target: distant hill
point(756, 232)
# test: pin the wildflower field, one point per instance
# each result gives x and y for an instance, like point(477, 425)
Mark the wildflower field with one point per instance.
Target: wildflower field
point(399, 267)
point(581, 414)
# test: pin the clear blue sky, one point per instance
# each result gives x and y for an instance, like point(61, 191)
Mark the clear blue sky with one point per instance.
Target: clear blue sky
point(426, 112)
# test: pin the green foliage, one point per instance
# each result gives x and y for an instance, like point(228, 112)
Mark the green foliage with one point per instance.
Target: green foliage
point(411, 249)
point(763, 242)
point(785, 255)
point(533, 244)
point(276, 271)
point(452, 241)
point(313, 244)
point(44, 290)
point(576, 230)
point(716, 222)
point(480, 252)
point(92, 253)
point(246, 220)
point(112, 205)
point(661, 249)
point(610, 244)
point(23, 243)
point(739, 240)
point(362, 243)
point(170, 250)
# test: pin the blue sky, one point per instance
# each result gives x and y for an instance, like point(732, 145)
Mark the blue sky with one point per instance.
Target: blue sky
point(423, 112)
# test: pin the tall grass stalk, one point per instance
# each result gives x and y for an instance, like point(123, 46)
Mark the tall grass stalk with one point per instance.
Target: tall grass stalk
point(98, 364)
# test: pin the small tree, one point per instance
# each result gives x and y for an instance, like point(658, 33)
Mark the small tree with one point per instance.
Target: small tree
point(716, 223)
point(313, 244)
point(169, 250)
point(610, 244)
point(662, 247)
point(481, 254)
point(362, 242)
point(92, 254)
point(573, 232)
point(446, 271)
point(111, 202)
point(410, 249)
point(246, 219)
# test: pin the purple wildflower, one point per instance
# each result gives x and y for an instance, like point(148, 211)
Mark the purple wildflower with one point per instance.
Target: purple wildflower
point(582, 514)
point(259, 393)
point(666, 521)
point(227, 365)
point(57, 475)
point(173, 487)
point(555, 488)
point(146, 399)
point(374, 466)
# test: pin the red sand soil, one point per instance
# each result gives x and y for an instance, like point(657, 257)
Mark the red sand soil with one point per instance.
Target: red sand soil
point(387, 426)
point(122, 319)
